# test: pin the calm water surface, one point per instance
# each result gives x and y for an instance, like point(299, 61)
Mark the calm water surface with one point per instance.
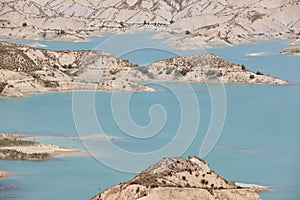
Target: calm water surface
point(259, 142)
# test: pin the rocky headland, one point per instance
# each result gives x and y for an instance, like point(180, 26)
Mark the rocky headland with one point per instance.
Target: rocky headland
point(177, 179)
point(207, 68)
point(25, 70)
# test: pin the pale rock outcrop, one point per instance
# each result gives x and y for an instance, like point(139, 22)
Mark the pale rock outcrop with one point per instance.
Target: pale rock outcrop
point(177, 179)
point(208, 22)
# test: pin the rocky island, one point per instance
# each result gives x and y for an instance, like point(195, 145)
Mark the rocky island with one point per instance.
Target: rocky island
point(25, 70)
point(4, 174)
point(177, 179)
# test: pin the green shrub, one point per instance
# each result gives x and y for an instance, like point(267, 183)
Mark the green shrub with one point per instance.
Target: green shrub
point(36, 76)
point(252, 76)
point(172, 21)
point(187, 32)
point(113, 78)
point(243, 67)
point(51, 84)
point(259, 73)
point(69, 66)
point(2, 86)
point(14, 142)
point(55, 66)
point(60, 32)
point(24, 24)
point(113, 71)
point(184, 71)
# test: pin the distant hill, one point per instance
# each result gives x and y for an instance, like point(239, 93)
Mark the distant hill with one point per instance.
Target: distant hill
point(187, 23)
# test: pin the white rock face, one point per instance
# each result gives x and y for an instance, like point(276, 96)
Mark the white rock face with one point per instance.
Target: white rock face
point(210, 22)
point(178, 178)
point(25, 70)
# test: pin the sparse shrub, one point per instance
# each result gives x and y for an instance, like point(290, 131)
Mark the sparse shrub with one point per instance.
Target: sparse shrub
point(252, 76)
point(69, 66)
point(35, 76)
point(55, 66)
point(2, 86)
point(145, 22)
point(259, 73)
point(243, 67)
point(113, 71)
point(184, 71)
point(169, 71)
point(50, 84)
point(60, 32)
point(122, 24)
point(187, 32)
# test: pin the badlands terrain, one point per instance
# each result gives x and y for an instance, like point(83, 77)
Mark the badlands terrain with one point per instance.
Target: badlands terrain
point(177, 179)
point(185, 24)
point(25, 70)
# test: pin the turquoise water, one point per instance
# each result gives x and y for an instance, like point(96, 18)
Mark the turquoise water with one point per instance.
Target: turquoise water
point(259, 142)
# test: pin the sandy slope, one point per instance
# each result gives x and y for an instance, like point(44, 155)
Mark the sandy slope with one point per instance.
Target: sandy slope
point(210, 22)
point(177, 179)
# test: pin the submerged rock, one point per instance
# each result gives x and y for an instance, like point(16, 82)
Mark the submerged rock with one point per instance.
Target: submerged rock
point(177, 179)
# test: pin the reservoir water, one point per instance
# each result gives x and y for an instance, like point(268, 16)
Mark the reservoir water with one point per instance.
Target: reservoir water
point(258, 144)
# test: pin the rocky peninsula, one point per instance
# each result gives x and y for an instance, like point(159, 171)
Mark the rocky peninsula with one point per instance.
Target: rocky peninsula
point(177, 179)
point(25, 70)
point(14, 147)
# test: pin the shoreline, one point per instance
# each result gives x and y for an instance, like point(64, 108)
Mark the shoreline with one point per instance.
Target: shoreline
point(156, 36)
point(15, 147)
point(254, 187)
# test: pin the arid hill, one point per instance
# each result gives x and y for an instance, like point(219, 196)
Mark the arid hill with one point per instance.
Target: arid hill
point(186, 23)
point(25, 70)
point(177, 179)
